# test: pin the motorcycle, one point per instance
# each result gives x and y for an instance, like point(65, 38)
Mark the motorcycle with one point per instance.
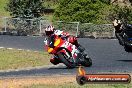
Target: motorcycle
point(125, 38)
point(67, 53)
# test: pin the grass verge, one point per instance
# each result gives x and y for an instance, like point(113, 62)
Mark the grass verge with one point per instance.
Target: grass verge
point(70, 82)
point(52, 81)
point(15, 59)
point(73, 85)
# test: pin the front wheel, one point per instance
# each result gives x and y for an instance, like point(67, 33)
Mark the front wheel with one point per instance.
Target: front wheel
point(68, 62)
point(127, 48)
point(87, 61)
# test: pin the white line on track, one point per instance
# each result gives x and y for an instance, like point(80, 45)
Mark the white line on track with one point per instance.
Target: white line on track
point(1, 47)
point(32, 68)
point(28, 50)
point(9, 48)
point(19, 49)
point(113, 39)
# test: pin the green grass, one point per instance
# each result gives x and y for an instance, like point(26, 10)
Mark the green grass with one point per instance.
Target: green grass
point(75, 85)
point(14, 59)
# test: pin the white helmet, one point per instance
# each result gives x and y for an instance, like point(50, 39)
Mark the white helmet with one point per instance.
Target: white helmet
point(49, 30)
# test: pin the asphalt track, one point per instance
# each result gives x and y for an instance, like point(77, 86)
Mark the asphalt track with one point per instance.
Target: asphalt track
point(107, 55)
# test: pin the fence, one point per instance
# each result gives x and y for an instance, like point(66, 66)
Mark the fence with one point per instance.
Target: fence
point(87, 29)
point(96, 30)
point(29, 26)
point(37, 26)
point(71, 27)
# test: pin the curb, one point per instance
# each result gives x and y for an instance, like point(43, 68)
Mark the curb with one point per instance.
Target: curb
point(30, 68)
point(17, 49)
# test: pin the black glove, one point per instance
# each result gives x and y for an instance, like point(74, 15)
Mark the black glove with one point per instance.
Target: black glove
point(63, 37)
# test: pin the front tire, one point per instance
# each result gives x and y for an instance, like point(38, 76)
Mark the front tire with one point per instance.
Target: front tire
point(66, 61)
point(127, 48)
point(87, 61)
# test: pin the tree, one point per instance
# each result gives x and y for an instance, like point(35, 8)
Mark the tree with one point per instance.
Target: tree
point(79, 10)
point(26, 11)
point(25, 8)
point(121, 1)
point(123, 13)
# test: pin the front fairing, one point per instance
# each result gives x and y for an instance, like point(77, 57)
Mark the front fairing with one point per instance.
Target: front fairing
point(51, 41)
point(54, 43)
point(50, 44)
point(128, 38)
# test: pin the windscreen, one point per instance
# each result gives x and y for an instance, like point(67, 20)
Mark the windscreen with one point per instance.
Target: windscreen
point(51, 40)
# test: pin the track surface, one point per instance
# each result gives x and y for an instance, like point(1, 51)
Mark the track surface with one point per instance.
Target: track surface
point(107, 56)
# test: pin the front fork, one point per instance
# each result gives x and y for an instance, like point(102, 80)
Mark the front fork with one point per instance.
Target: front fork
point(55, 60)
point(82, 56)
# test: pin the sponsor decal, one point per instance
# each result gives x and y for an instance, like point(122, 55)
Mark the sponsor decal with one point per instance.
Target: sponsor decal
point(83, 78)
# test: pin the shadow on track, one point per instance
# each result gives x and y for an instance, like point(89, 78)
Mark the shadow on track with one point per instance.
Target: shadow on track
point(125, 60)
point(63, 67)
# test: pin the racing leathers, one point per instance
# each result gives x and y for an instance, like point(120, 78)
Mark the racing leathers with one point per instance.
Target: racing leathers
point(66, 36)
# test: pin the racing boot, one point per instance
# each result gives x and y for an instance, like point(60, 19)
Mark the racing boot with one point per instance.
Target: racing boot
point(54, 61)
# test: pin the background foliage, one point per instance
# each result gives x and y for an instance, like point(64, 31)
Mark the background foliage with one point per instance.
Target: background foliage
point(90, 11)
point(28, 12)
point(123, 13)
point(25, 8)
point(84, 11)
point(79, 10)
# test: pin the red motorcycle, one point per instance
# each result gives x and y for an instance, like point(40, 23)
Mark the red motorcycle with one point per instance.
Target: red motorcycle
point(67, 53)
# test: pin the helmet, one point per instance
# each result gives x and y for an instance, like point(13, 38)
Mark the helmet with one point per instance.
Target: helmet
point(49, 30)
point(117, 22)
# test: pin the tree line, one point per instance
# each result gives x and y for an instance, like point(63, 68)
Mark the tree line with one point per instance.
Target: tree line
point(84, 11)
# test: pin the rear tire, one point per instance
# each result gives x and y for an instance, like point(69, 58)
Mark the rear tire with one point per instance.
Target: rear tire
point(64, 60)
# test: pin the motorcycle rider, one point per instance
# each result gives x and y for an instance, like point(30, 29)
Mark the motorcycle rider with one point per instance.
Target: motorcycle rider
point(119, 29)
point(50, 30)
point(117, 25)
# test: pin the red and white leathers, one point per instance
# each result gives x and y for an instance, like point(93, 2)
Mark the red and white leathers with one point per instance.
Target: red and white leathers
point(50, 31)
point(71, 39)
point(61, 33)
point(58, 33)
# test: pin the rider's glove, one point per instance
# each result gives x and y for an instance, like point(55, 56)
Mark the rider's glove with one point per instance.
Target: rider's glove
point(63, 37)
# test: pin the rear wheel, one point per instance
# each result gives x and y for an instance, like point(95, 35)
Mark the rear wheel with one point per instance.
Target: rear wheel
point(69, 62)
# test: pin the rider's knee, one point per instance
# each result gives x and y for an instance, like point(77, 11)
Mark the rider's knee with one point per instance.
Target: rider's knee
point(54, 61)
